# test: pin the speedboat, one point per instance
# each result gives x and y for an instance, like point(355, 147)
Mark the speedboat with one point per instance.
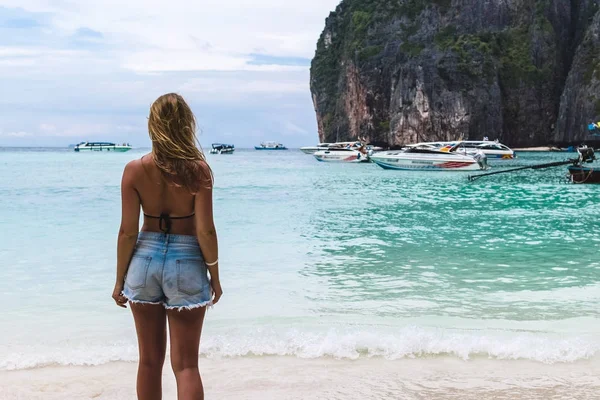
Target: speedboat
point(270, 146)
point(374, 148)
point(327, 146)
point(220, 148)
point(338, 145)
point(341, 155)
point(424, 158)
point(493, 150)
point(314, 149)
point(102, 146)
point(439, 146)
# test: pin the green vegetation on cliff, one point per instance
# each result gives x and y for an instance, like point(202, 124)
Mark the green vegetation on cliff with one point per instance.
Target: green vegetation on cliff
point(508, 51)
point(421, 64)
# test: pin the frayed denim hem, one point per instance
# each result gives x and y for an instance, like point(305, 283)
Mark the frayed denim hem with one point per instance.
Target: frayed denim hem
point(158, 303)
point(190, 307)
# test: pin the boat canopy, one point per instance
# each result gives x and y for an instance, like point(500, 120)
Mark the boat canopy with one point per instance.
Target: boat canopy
point(490, 146)
point(339, 149)
point(99, 144)
point(424, 150)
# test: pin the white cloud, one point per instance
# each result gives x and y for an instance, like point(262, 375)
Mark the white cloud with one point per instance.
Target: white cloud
point(128, 128)
point(85, 129)
point(16, 62)
point(20, 134)
point(34, 57)
point(7, 51)
point(153, 61)
point(47, 62)
point(49, 128)
point(290, 128)
point(176, 35)
point(237, 86)
point(173, 60)
point(274, 87)
point(58, 87)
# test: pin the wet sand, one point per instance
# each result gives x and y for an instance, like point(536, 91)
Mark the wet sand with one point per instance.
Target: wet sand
point(293, 378)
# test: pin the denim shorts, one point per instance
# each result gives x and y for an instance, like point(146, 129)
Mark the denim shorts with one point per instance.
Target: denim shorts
point(169, 270)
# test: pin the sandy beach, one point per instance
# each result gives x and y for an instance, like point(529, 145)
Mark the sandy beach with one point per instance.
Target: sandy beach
point(293, 378)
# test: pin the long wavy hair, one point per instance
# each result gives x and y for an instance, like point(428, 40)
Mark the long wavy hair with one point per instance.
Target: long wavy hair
point(175, 147)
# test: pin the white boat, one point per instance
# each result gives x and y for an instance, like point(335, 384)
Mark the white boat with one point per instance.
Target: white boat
point(339, 145)
point(327, 146)
point(428, 159)
point(102, 146)
point(220, 148)
point(374, 148)
point(493, 150)
point(270, 146)
point(429, 145)
point(341, 155)
point(314, 149)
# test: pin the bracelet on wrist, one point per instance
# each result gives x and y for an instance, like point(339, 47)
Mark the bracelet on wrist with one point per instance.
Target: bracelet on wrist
point(212, 264)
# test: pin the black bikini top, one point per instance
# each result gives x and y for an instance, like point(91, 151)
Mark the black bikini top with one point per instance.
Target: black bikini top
point(165, 221)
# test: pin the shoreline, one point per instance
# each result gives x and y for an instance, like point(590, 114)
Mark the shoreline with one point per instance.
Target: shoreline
point(294, 378)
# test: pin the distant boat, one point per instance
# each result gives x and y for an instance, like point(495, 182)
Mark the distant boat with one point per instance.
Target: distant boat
point(270, 146)
point(341, 155)
point(102, 146)
point(339, 145)
point(220, 148)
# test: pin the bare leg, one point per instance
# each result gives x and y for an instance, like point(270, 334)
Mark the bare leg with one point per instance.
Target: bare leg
point(151, 327)
point(185, 328)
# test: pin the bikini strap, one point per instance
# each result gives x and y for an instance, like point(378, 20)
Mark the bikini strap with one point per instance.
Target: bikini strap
point(165, 221)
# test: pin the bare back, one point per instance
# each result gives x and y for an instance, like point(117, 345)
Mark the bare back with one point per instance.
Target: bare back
point(158, 197)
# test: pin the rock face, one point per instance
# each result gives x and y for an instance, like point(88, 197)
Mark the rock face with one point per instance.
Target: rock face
point(526, 72)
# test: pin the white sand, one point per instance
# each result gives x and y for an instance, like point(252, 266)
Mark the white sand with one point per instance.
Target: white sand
point(291, 378)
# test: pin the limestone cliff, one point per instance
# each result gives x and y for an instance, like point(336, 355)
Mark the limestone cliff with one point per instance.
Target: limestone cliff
point(398, 71)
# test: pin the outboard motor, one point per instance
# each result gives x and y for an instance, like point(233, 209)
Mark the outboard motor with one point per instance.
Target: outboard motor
point(481, 159)
point(586, 155)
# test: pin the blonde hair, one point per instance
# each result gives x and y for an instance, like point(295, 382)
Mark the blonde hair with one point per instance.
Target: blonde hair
point(172, 129)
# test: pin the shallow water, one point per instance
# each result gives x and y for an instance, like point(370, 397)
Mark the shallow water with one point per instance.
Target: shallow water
point(318, 260)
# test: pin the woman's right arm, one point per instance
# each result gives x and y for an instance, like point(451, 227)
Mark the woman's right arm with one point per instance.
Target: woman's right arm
point(207, 237)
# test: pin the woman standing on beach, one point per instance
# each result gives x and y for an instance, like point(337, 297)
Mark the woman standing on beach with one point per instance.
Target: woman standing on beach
point(162, 271)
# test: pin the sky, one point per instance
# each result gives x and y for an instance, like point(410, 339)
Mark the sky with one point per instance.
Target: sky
point(83, 70)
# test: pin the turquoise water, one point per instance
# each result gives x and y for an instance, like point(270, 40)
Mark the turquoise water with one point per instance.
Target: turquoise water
point(318, 260)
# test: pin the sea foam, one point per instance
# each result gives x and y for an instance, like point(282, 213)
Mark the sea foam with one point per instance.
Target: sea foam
point(408, 342)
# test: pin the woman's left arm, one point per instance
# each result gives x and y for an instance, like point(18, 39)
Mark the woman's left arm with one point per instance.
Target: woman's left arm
point(128, 232)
